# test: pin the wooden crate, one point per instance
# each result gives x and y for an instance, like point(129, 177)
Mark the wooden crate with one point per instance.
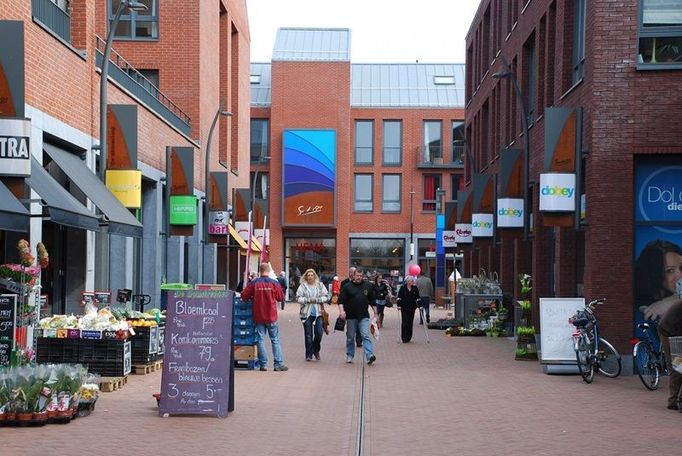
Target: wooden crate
point(245, 352)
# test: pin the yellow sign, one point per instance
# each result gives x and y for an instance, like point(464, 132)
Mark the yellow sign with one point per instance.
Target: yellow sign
point(126, 186)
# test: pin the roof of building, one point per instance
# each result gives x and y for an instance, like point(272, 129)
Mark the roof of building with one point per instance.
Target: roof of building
point(389, 85)
point(312, 45)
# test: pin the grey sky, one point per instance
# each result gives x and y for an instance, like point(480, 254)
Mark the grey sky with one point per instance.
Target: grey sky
point(382, 31)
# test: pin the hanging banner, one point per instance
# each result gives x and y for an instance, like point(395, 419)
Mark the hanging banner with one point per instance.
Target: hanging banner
point(309, 178)
point(180, 181)
point(122, 136)
point(463, 233)
point(482, 225)
point(557, 192)
point(12, 71)
point(510, 213)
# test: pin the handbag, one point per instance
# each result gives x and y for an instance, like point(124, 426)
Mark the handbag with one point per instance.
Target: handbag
point(325, 320)
point(340, 324)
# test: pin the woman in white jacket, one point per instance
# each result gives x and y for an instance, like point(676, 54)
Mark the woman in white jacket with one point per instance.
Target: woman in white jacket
point(312, 295)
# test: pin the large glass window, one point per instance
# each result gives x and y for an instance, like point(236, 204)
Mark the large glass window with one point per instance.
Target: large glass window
point(458, 142)
point(578, 41)
point(660, 32)
point(390, 201)
point(431, 184)
point(363, 193)
point(260, 144)
point(136, 24)
point(364, 142)
point(305, 253)
point(433, 150)
point(392, 142)
point(383, 256)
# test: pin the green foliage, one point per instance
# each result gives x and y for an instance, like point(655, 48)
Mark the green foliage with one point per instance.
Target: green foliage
point(525, 331)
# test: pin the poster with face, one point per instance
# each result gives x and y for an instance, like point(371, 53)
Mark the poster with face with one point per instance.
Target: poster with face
point(658, 236)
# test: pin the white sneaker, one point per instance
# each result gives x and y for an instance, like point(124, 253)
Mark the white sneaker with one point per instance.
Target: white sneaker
point(349, 359)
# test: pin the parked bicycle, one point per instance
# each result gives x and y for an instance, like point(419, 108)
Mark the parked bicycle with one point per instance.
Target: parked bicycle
point(593, 352)
point(648, 356)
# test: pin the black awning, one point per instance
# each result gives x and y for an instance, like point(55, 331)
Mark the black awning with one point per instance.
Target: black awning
point(120, 220)
point(62, 206)
point(13, 214)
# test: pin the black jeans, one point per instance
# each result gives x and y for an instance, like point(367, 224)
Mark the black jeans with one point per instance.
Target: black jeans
point(312, 330)
point(407, 321)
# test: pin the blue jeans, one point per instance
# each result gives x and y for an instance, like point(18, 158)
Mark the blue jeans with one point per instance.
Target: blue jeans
point(273, 331)
point(312, 330)
point(352, 326)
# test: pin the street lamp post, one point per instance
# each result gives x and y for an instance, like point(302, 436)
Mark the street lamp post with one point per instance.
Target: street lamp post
point(508, 73)
point(207, 168)
point(411, 224)
point(102, 271)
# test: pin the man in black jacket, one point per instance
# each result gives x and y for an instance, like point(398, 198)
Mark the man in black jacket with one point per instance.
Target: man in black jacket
point(351, 273)
point(282, 279)
point(354, 302)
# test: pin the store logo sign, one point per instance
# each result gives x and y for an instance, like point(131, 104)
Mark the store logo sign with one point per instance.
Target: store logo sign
point(183, 210)
point(449, 239)
point(218, 221)
point(482, 225)
point(510, 213)
point(557, 192)
point(463, 233)
point(15, 147)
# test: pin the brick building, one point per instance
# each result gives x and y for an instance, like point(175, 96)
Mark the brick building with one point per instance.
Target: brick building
point(598, 81)
point(361, 150)
point(173, 66)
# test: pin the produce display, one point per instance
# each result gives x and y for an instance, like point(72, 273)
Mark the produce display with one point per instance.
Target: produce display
point(48, 392)
point(102, 320)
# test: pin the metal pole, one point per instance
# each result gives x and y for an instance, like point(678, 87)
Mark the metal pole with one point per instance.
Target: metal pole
point(207, 167)
point(411, 223)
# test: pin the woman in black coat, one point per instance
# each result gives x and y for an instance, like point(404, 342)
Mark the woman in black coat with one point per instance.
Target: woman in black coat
point(408, 301)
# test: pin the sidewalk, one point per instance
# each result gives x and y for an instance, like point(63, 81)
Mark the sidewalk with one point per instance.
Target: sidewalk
point(454, 396)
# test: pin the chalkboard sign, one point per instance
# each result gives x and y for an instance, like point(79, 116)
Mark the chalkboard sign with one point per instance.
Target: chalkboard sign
point(8, 321)
point(556, 341)
point(197, 344)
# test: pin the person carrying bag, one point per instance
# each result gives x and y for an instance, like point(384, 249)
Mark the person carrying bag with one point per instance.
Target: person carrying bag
point(312, 295)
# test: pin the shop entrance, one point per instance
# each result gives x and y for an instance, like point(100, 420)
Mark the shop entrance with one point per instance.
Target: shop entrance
point(309, 253)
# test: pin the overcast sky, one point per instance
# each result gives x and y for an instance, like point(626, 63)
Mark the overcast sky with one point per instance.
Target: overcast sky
point(382, 31)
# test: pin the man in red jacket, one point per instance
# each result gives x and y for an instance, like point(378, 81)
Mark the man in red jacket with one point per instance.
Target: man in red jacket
point(266, 292)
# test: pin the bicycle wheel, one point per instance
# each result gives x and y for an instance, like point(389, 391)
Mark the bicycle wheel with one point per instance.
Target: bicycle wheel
point(608, 359)
point(584, 356)
point(647, 365)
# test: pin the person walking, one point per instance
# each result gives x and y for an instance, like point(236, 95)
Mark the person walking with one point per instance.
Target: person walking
point(266, 292)
point(312, 295)
point(282, 279)
point(382, 292)
point(408, 300)
point(425, 287)
point(351, 274)
point(355, 300)
point(669, 326)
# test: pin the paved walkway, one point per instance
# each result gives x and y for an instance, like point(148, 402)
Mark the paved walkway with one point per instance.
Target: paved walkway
point(454, 396)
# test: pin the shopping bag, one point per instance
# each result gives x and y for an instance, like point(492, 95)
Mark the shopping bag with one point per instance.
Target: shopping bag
point(374, 328)
point(340, 324)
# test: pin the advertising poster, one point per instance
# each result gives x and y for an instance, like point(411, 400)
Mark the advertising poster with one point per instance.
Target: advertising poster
point(658, 237)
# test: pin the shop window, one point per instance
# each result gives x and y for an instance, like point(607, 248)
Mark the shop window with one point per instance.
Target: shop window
point(136, 24)
point(431, 185)
point(260, 144)
point(382, 256)
point(391, 193)
point(660, 33)
point(392, 137)
point(364, 142)
point(363, 193)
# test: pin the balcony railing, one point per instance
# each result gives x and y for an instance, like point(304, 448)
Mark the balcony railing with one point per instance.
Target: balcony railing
point(53, 17)
point(432, 157)
point(142, 88)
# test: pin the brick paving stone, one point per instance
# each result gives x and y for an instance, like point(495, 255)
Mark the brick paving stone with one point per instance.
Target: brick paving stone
point(455, 395)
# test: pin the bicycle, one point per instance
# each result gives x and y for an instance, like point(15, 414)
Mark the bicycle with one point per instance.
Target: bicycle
point(593, 352)
point(649, 358)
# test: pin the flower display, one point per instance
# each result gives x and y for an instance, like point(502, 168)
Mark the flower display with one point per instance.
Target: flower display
point(26, 258)
point(20, 274)
point(43, 256)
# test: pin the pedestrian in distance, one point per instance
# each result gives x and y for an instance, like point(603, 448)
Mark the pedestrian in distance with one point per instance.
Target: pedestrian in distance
point(266, 293)
point(282, 279)
point(355, 300)
point(425, 287)
point(382, 292)
point(670, 326)
point(312, 295)
point(351, 274)
point(408, 301)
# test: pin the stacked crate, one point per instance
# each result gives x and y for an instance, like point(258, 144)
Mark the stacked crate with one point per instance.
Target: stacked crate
point(243, 334)
point(106, 357)
point(145, 345)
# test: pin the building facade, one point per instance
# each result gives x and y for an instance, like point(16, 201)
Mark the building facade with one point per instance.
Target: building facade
point(350, 157)
point(597, 84)
point(172, 67)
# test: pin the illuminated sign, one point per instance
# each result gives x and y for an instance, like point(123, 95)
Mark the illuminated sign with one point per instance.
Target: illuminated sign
point(183, 210)
point(15, 147)
point(509, 213)
point(463, 233)
point(482, 225)
point(557, 192)
point(126, 186)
